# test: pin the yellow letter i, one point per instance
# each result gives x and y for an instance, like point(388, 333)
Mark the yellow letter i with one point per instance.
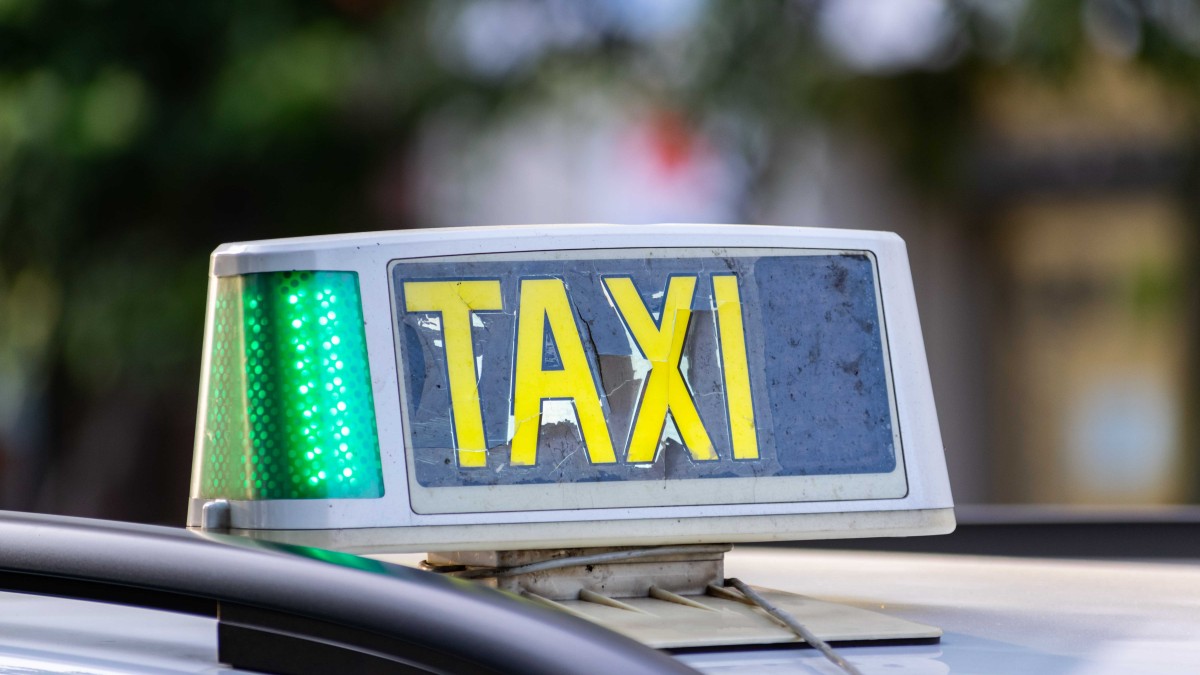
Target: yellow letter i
point(743, 434)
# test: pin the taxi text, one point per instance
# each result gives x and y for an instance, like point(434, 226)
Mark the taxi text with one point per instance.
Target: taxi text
point(544, 305)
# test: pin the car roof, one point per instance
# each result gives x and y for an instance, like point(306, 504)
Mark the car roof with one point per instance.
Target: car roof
point(282, 608)
point(998, 614)
point(48, 634)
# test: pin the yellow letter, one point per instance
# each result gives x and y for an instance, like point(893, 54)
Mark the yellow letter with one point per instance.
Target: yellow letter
point(455, 301)
point(742, 432)
point(545, 301)
point(665, 389)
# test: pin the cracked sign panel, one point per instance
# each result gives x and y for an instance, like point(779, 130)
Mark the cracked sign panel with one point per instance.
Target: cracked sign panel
point(637, 377)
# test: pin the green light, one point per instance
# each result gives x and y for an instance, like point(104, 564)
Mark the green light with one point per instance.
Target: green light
point(289, 408)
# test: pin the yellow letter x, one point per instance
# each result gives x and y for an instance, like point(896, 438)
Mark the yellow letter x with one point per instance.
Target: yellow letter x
point(665, 389)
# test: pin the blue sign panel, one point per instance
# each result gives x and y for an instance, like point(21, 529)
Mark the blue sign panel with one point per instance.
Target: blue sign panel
point(643, 366)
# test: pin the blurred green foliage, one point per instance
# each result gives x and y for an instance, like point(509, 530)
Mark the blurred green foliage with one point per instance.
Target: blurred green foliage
point(137, 136)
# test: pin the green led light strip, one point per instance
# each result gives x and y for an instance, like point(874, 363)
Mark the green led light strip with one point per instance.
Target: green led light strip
point(289, 408)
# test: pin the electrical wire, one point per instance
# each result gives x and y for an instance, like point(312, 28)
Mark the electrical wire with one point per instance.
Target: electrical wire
point(751, 596)
point(798, 628)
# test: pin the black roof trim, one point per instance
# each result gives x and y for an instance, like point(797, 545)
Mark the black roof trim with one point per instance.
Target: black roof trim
point(277, 599)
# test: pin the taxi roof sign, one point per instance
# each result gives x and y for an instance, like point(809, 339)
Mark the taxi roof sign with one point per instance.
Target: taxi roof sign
point(567, 386)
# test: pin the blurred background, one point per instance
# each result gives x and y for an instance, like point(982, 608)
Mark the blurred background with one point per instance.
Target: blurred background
point(1040, 159)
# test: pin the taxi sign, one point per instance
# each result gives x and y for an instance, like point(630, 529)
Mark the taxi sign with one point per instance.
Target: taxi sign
point(525, 387)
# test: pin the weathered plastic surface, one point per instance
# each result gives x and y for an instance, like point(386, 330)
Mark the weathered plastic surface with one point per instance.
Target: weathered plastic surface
point(644, 367)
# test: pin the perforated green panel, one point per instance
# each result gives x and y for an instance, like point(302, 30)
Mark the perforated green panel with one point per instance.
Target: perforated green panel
point(289, 408)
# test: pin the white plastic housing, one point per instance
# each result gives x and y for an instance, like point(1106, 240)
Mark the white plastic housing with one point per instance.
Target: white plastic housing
point(391, 523)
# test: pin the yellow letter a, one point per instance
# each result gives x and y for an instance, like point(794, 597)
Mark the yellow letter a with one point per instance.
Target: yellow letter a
point(544, 302)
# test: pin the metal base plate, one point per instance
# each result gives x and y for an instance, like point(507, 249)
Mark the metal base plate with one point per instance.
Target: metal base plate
point(668, 625)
